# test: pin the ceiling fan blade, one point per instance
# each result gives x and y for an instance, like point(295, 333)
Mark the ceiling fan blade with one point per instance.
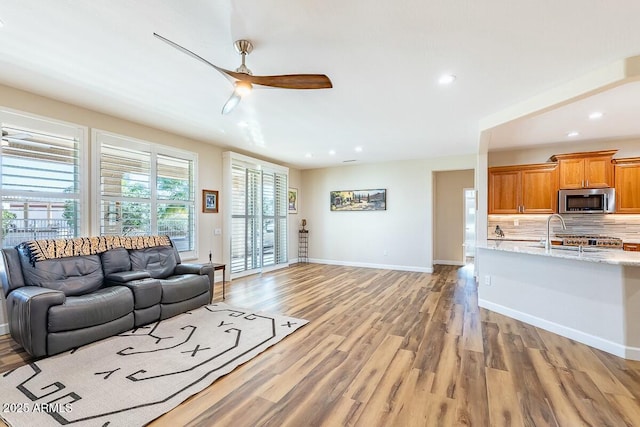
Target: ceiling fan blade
point(21, 135)
point(287, 81)
point(231, 103)
point(193, 55)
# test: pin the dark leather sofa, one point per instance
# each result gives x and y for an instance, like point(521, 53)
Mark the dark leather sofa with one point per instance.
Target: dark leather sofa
point(55, 305)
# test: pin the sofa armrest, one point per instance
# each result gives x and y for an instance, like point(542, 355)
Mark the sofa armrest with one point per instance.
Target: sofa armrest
point(122, 277)
point(28, 311)
point(10, 270)
point(201, 269)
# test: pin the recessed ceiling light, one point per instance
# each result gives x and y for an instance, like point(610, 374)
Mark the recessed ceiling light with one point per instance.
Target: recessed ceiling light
point(243, 124)
point(446, 79)
point(332, 152)
point(308, 155)
point(596, 115)
point(573, 134)
point(358, 149)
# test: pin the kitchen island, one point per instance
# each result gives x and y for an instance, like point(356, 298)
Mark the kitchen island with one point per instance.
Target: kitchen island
point(591, 296)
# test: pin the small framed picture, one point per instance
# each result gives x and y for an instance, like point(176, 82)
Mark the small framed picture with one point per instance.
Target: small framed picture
point(293, 200)
point(210, 201)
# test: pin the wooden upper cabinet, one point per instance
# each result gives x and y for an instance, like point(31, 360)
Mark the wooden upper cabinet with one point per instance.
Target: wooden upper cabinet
point(585, 170)
point(540, 189)
point(504, 190)
point(627, 173)
point(523, 189)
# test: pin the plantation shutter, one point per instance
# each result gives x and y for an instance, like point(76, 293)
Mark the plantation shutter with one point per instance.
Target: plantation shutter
point(258, 217)
point(268, 218)
point(125, 175)
point(175, 189)
point(281, 211)
point(40, 179)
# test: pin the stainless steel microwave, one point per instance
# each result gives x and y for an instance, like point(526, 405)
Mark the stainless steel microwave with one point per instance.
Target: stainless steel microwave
point(587, 200)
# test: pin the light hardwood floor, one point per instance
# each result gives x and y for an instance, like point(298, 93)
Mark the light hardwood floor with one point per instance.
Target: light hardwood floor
point(393, 348)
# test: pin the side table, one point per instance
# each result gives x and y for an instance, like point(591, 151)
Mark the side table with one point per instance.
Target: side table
point(217, 267)
point(303, 246)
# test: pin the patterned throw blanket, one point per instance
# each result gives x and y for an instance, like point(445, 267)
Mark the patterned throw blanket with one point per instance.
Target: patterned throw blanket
point(40, 250)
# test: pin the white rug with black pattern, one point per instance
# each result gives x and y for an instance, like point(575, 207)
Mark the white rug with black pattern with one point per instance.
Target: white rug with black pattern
point(133, 378)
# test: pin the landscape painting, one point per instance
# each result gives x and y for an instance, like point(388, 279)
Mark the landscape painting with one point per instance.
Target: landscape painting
point(359, 200)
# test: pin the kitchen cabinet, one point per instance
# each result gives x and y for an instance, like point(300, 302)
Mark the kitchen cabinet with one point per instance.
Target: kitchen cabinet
point(585, 170)
point(524, 189)
point(627, 180)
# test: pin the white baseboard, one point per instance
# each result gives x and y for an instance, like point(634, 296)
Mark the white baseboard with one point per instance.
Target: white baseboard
point(371, 265)
point(4, 328)
point(448, 262)
point(617, 349)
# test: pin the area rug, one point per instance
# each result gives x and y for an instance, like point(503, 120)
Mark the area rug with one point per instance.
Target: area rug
point(133, 378)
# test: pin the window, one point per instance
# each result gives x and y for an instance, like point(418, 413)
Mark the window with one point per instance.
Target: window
point(258, 214)
point(146, 188)
point(41, 179)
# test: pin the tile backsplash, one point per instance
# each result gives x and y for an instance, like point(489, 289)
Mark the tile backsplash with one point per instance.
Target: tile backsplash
point(534, 227)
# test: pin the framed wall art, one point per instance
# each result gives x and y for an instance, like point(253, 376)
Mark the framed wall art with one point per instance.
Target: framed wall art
point(293, 200)
point(210, 201)
point(359, 200)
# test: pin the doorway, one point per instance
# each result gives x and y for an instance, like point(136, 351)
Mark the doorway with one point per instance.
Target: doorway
point(450, 215)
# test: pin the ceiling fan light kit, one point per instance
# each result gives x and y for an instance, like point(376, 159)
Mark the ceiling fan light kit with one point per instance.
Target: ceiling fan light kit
point(244, 79)
point(243, 88)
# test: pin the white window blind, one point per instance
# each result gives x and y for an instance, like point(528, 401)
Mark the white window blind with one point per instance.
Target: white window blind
point(281, 212)
point(146, 188)
point(258, 217)
point(40, 179)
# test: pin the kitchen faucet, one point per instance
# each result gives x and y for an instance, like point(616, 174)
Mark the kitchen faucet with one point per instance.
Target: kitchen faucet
point(547, 243)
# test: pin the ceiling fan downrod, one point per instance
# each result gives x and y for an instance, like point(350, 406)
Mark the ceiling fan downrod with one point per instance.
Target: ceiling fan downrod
point(243, 47)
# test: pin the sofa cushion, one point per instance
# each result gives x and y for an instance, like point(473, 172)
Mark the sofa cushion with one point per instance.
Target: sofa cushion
point(75, 275)
point(183, 287)
point(115, 261)
point(159, 261)
point(101, 306)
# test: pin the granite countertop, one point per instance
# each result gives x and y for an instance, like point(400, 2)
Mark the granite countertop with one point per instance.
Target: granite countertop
point(606, 256)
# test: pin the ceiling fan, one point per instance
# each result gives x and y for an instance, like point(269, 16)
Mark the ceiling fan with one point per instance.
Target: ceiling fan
point(7, 138)
point(244, 80)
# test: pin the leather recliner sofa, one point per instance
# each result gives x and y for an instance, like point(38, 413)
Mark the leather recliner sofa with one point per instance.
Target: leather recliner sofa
point(55, 305)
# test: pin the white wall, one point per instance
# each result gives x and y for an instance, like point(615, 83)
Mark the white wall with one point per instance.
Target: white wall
point(400, 237)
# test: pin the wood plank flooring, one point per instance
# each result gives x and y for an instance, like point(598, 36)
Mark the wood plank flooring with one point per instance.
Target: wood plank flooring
point(393, 348)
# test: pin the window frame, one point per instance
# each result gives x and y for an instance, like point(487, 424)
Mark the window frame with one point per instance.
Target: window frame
point(98, 136)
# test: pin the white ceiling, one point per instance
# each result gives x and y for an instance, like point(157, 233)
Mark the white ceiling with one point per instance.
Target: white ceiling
point(619, 106)
point(384, 58)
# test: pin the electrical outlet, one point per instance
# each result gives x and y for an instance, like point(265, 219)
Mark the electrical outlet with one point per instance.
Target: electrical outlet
point(516, 222)
point(487, 280)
